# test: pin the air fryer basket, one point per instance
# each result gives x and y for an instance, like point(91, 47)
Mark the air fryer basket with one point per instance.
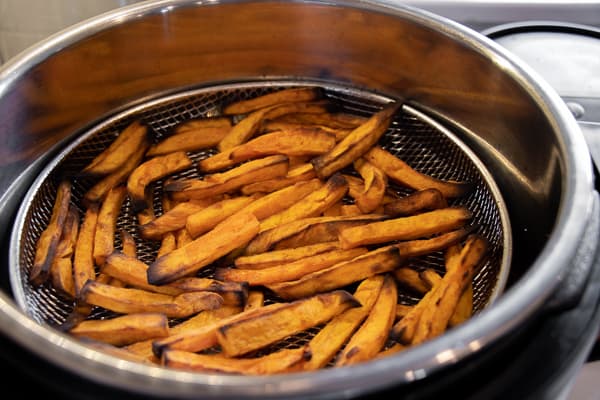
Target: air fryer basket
point(414, 136)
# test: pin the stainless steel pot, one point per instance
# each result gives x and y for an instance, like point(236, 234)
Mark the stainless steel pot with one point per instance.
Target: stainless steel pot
point(507, 114)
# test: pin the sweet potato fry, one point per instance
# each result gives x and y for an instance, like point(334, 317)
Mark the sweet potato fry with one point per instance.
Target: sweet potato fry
point(336, 120)
point(403, 174)
point(405, 228)
point(97, 192)
point(233, 293)
point(248, 126)
point(375, 262)
point(330, 339)
point(375, 185)
point(252, 171)
point(290, 271)
point(298, 173)
point(190, 140)
point(61, 271)
point(304, 231)
point(281, 361)
point(106, 224)
point(152, 170)
point(418, 201)
point(281, 125)
point(249, 334)
point(128, 245)
point(356, 143)
point(300, 94)
point(130, 300)
point(170, 221)
point(419, 247)
point(124, 147)
point(256, 299)
point(47, 244)
point(310, 205)
point(279, 257)
point(371, 336)
point(235, 231)
point(83, 259)
point(410, 279)
point(205, 219)
point(124, 329)
point(200, 123)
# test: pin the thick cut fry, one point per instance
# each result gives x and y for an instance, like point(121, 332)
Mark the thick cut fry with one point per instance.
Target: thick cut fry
point(106, 224)
point(202, 123)
point(233, 293)
point(295, 174)
point(152, 170)
point(124, 329)
point(419, 247)
point(124, 147)
point(256, 299)
point(282, 361)
point(279, 257)
point(411, 279)
point(301, 142)
point(311, 205)
point(97, 192)
point(192, 139)
point(229, 181)
point(375, 262)
point(253, 333)
point(401, 173)
point(291, 271)
point(289, 95)
point(47, 244)
point(279, 125)
point(83, 260)
point(434, 318)
point(330, 339)
point(247, 127)
point(356, 143)
point(337, 120)
point(128, 245)
point(61, 271)
point(371, 336)
point(170, 221)
point(204, 220)
point(405, 228)
point(418, 201)
point(375, 185)
point(305, 231)
point(234, 232)
point(130, 300)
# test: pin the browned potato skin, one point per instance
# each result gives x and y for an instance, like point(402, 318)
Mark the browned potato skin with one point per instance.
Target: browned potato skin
point(191, 139)
point(300, 94)
point(104, 236)
point(418, 201)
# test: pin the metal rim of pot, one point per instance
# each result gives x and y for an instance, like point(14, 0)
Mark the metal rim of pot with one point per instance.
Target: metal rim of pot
point(522, 301)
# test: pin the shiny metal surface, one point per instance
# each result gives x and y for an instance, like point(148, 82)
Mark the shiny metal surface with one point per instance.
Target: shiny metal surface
point(515, 122)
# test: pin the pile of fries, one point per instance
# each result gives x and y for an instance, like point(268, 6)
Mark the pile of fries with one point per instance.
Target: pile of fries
point(295, 213)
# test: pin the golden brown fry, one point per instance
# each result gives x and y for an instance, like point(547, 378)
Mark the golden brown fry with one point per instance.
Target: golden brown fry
point(235, 231)
point(167, 244)
point(405, 228)
point(279, 257)
point(124, 147)
point(233, 293)
point(282, 361)
point(393, 349)
point(256, 299)
point(128, 245)
point(310, 205)
point(200, 123)
point(252, 171)
point(426, 199)
point(248, 126)
point(295, 174)
point(152, 170)
point(330, 339)
point(375, 262)
point(375, 185)
point(419, 247)
point(191, 139)
point(83, 260)
point(98, 192)
point(106, 224)
point(402, 310)
point(336, 120)
point(281, 125)
point(305, 231)
point(371, 336)
point(249, 334)
point(61, 271)
point(130, 300)
point(125, 329)
point(356, 143)
point(300, 94)
point(46, 245)
point(205, 219)
point(400, 172)
point(290, 271)
point(411, 279)
point(170, 221)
